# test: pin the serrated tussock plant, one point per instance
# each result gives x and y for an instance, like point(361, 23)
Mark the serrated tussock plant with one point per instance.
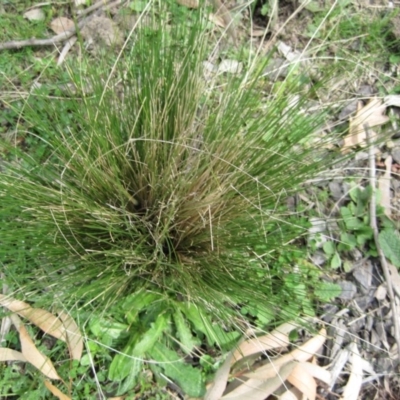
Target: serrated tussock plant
point(159, 177)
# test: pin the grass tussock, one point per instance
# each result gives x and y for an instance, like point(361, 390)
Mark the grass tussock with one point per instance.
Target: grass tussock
point(159, 177)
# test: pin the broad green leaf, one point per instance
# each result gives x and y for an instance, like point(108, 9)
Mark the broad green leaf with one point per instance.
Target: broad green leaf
point(336, 261)
point(351, 222)
point(107, 329)
point(390, 243)
point(122, 365)
point(327, 291)
point(152, 335)
point(131, 380)
point(184, 333)
point(137, 302)
point(184, 375)
point(329, 248)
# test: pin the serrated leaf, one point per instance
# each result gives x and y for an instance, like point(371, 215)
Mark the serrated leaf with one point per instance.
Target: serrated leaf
point(122, 365)
point(188, 378)
point(326, 291)
point(390, 244)
point(151, 336)
point(136, 303)
point(184, 333)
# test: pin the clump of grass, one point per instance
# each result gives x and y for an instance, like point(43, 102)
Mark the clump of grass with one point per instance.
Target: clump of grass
point(162, 182)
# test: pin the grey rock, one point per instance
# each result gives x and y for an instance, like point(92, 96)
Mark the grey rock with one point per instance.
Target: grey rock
point(363, 274)
point(336, 190)
point(349, 290)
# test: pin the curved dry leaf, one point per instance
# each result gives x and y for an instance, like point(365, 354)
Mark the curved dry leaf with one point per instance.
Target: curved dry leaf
point(61, 25)
point(260, 390)
point(189, 3)
point(11, 355)
point(290, 395)
point(371, 114)
point(44, 320)
point(302, 380)
point(318, 372)
point(279, 337)
point(218, 386)
point(57, 392)
point(36, 14)
point(353, 386)
point(34, 356)
point(73, 336)
point(302, 353)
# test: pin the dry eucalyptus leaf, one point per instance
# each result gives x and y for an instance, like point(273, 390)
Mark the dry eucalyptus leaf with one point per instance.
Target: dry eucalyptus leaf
point(74, 336)
point(31, 353)
point(279, 337)
point(302, 380)
point(302, 353)
point(37, 14)
point(353, 386)
point(11, 355)
point(392, 100)
point(189, 3)
point(371, 114)
point(57, 392)
point(261, 389)
point(61, 25)
point(218, 386)
point(318, 372)
point(44, 320)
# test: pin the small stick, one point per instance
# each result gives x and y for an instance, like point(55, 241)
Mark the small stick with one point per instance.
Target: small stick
point(97, 5)
point(374, 227)
point(17, 44)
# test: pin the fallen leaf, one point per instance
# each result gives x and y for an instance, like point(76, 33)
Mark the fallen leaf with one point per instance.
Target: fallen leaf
point(57, 392)
point(37, 14)
point(279, 337)
point(302, 353)
point(392, 100)
point(44, 320)
point(371, 114)
point(61, 25)
point(302, 380)
point(73, 336)
point(384, 187)
point(218, 386)
point(317, 372)
point(261, 389)
point(31, 353)
point(353, 386)
point(11, 355)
